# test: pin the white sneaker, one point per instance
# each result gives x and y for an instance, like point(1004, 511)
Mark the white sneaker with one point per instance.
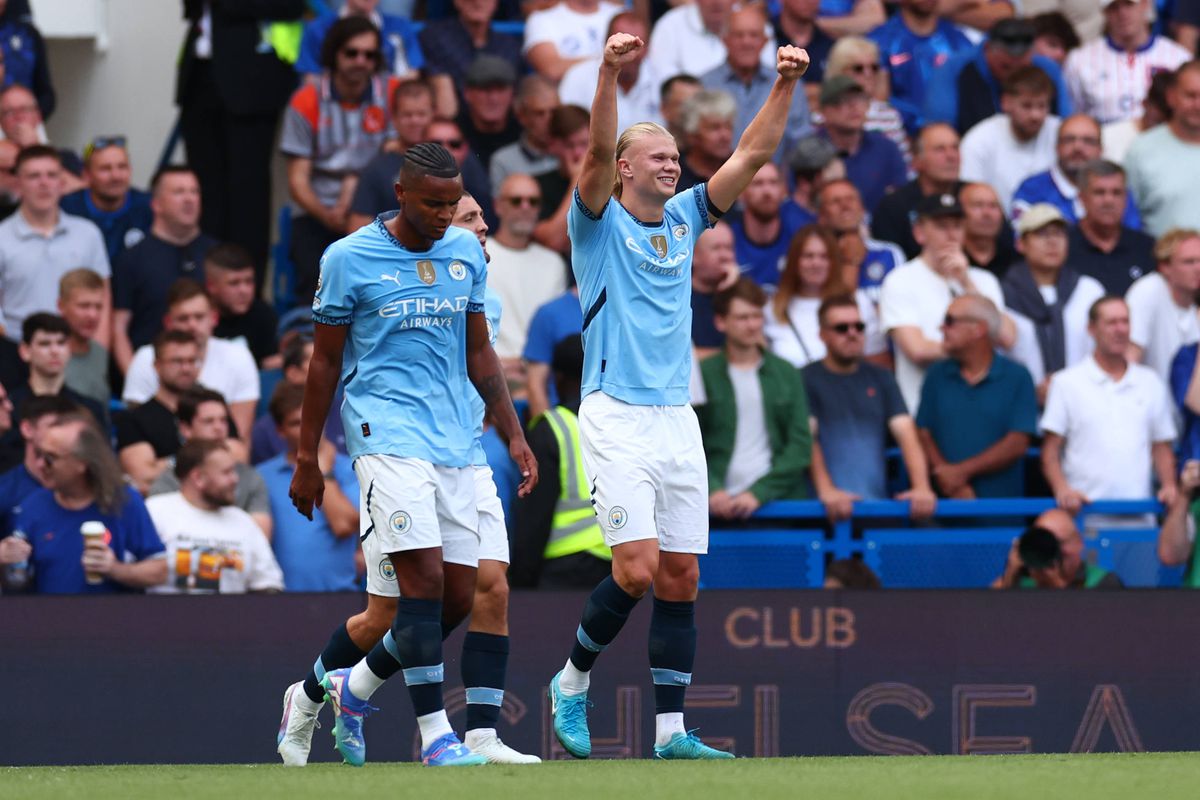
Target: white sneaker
point(497, 752)
point(296, 727)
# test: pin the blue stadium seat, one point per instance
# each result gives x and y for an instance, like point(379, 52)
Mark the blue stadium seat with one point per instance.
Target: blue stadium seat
point(942, 558)
point(764, 559)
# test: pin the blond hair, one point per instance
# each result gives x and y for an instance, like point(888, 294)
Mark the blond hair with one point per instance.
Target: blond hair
point(79, 279)
point(634, 133)
point(1168, 243)
point(847, 49)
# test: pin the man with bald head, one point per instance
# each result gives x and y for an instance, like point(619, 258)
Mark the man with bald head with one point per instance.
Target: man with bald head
point(1068, 571)
point(522, 272)
point(978, 410)
point(749, 81)
point(1078, 144)
point(638, 97)
point(936, 161)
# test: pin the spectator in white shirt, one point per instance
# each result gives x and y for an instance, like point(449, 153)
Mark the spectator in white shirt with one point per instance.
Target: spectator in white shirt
point(1047, 301)
point(1108, 421)
point(522, 272)
point(565, 34)
point(915, 296)
point(638, 85)
point(1008, 147)
point(687, 39)
point(226, 367)
point(213, 547)
point(1162, 304)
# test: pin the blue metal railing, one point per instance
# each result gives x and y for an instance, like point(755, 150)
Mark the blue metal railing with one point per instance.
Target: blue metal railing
point(964, 545)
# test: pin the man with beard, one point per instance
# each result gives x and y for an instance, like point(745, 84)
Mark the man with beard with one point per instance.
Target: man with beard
point(761, 234)
point(121, 212)
point(213, 547)
point(1078, 144)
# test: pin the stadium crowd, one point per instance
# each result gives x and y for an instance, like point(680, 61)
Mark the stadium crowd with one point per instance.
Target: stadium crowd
point(979, 235)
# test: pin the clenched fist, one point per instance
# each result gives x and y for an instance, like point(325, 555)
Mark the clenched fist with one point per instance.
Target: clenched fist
point(623, 48)
point(791, 61)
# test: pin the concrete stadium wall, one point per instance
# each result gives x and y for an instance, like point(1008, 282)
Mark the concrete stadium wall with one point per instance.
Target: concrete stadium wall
point(200, 679)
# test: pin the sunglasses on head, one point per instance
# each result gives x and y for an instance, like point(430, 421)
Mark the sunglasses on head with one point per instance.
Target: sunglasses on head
point(101, 142)
point(845, 327)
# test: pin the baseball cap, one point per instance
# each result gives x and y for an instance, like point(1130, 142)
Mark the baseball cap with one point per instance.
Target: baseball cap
point(1038, 216)
point(488, 70)
point(835, 88)
point(939, 205)
point(1014, 35)
point(811, 154)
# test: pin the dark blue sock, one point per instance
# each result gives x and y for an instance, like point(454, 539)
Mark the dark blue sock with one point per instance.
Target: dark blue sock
point(603, 617)
point(484, 663)
point(340, 652)
point(384, 658)
point(672, 652)
point(417, 635)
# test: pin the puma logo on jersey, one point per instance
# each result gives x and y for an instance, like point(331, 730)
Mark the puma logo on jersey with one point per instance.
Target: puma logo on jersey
point(393, 278)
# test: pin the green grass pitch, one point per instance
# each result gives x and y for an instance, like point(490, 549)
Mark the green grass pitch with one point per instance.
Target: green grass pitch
point(1160, 776)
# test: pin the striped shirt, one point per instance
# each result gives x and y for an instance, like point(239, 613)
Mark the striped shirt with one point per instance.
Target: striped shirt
point(1109, 83)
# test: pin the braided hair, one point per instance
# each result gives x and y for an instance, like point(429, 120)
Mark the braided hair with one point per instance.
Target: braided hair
point(428, 159)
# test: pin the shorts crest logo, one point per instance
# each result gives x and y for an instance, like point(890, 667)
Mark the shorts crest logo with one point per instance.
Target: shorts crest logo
point(617, 517)
point(659, 243)
point(457, 270)
point(386, 570)
point(400, 522)
point(426, 273)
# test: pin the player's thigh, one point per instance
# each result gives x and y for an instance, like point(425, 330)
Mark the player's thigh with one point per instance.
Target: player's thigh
point(682, 496)
point(400, 495)
point(381, 575)
point(619, 469)
point(493, 533)
point(457, 515)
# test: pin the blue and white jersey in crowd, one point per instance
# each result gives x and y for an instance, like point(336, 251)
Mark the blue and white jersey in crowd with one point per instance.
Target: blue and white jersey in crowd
point(881, 258)
point(1053, 187)
point(404, 365)
point(492, 308)
point(635, 289)
point(910, 59)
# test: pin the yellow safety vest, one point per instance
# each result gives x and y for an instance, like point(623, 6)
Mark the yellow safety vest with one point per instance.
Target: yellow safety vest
point(574, 528)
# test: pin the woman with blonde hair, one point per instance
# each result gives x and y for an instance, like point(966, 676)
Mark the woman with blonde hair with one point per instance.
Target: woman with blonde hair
point(859, 58)
point(813, 271)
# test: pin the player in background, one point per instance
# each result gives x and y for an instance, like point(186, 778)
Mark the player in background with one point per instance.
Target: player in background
point(485, 647)
point(400, 302)
point(632, 239)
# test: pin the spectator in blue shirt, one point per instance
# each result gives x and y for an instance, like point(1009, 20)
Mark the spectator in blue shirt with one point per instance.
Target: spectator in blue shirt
point(316, 555)
point(966, 89)
point(1078, 144)
point(761, 232)
point(402, 55)
point(24, 57)
point(551, 323)
point(978, 410)
point(873, 162)
point(912, 44)
point(84, 484)
point(796, 24)
point(121, 212)
point(451, 44)
point(22, 480)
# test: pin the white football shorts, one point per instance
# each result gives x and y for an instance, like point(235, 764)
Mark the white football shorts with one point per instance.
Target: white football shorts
point(411, 504)
point(648, 472)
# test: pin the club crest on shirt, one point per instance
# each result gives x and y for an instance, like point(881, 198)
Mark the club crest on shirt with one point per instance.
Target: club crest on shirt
point(400, 522)
point(426, 272)
point(457, 270)
point(659, 243)
point(679, 231)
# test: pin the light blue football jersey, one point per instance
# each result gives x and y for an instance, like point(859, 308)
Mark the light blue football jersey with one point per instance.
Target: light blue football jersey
point(492, 308)
point(405, 363)
point(635, 289)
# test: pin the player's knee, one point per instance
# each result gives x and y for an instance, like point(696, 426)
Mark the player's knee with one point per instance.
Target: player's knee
point(635, 577)
point(679, 576)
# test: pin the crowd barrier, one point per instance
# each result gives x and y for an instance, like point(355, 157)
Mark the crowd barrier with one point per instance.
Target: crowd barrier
point(787, 544)
point(130, 679)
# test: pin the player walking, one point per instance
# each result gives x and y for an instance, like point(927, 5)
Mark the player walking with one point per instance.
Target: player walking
point(632, 239)
point(397, 300)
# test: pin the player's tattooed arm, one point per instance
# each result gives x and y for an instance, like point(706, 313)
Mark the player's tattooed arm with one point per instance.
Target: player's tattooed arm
point(487, 375)
point(308, 485)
